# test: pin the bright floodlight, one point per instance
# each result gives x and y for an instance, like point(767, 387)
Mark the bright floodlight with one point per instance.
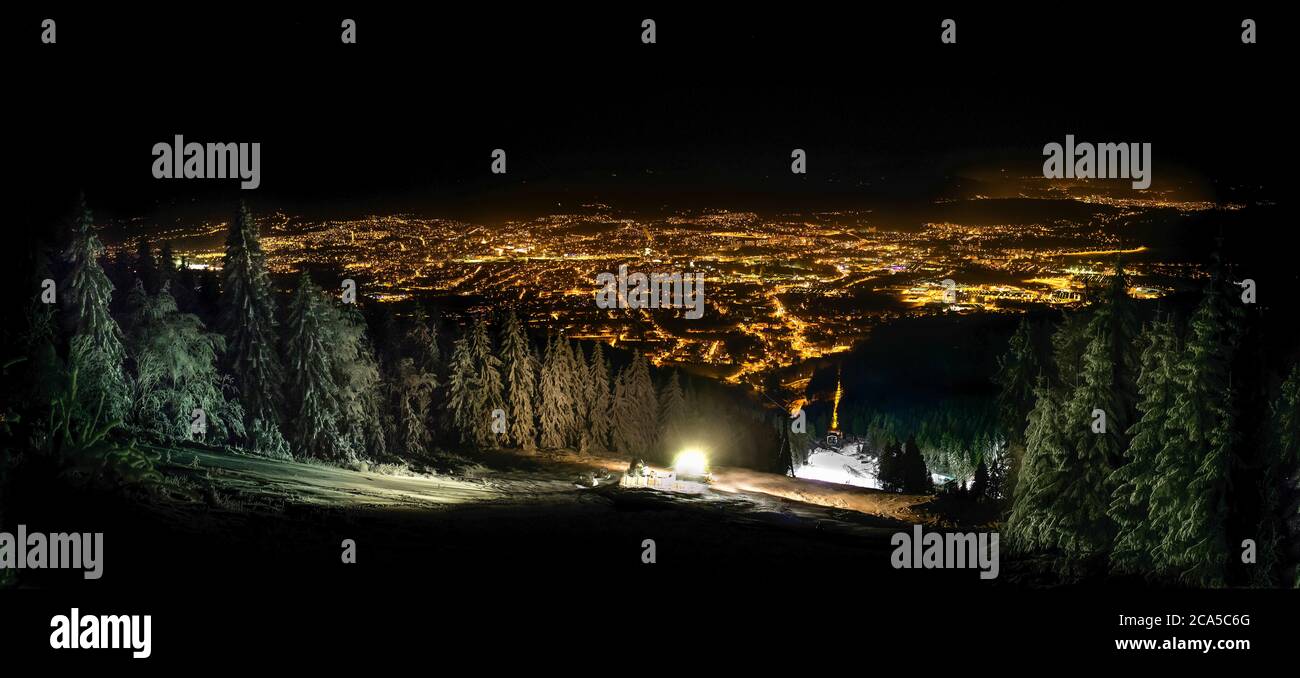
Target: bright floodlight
point(690, 463)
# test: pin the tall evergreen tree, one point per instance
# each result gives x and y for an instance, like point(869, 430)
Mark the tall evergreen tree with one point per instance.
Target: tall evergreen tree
point(1135, 540)
point(582, 407)
point(247, 318)
point(1286, 471)
point(489, 395)
point(1030, 527)
point(1017, 372)
point(312, 387)
point(1114, 324)
point(1188, 506)
point(635, 409)
point(520, 367)
point(360, 416)
point(599, 400)
point(462, 387)
point(95, 353)
point(557, 414)
point(413, 383)
point(1069, 343)
point(672, 416)
point(1082, 526)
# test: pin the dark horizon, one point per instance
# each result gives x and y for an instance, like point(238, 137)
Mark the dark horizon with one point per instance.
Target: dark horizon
point(708, 112)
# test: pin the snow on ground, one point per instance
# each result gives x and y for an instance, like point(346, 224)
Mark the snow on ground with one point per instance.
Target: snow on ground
point(848, 465)
point(545, 477)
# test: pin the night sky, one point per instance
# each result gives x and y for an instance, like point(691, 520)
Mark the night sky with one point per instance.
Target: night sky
point(706, 117)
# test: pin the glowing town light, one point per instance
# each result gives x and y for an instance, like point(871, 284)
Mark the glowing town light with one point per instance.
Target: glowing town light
point(835, 412)
point(690, 462)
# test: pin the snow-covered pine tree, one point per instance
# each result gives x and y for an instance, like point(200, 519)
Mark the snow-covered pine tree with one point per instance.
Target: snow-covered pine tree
point(247, 319)
point(1131, 499)
point(556, 416)
point(313, 393)
point(1286, 476)
point(672, 416)
point(635, 409)
point(599, 400)
point(1118, 319)
point(1069, 343)
point(1081, 496)
point(490, 392)
point(95, 352)
point(520, 368)
point(175, 360)
point(1017, 372)
point(1188, 506)
point(462, 386)
point(582, 407)
point(1030, 526)
point(621, 406)
point(360, 417)
point(414, 381)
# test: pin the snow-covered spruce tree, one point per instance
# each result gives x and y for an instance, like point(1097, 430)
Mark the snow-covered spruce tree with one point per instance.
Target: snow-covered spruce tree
point(176, 372)
point(582, 407)
point(462, 385)
point(1081, 496)
point(1031, 525)
point(1069, 343)
point(1130, 505)
point(414, 381)
point(571, 382)
point(313, 393)
point(619, 402)
point(360, 416)
point(246, 310)
point(599, 401)
point(520, 367)
point(1017, 372)
point(1188, 505)
point(95, 352)
point(1117, 318)
point(635, 409)
point(1286, 423)
point(672, 416)
point(1279, 532)
point(488, 394)
point(557, 414)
